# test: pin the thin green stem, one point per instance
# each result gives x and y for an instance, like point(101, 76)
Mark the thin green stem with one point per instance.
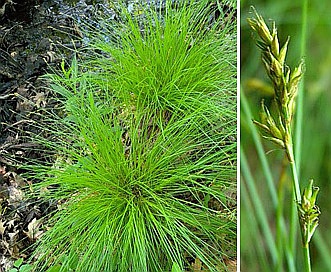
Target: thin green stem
point(300, 98)
point(307, 257)
point(293, 227)
point(297, 196)
point(298, 200)
point(298, 141)
point(296, 186)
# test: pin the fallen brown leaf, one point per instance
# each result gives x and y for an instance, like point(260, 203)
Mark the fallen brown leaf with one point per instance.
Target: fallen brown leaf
point(2, 228)
point(34, 232)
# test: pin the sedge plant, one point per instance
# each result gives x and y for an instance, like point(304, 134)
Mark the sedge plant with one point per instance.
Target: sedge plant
point(276, 127)
point(143, 147)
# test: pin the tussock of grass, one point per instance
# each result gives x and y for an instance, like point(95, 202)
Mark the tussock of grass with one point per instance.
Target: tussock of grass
point(146, 150)
point(173, 62)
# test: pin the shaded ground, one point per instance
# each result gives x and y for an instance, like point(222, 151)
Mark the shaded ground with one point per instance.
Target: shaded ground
point(35, 36)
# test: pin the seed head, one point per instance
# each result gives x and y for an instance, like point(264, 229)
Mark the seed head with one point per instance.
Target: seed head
point(309, 212)
point(285, 82)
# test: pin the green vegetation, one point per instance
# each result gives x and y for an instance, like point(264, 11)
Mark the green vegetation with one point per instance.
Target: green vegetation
point(145, 146)
point(268, 198)
point(277, 127)
point(20, 267)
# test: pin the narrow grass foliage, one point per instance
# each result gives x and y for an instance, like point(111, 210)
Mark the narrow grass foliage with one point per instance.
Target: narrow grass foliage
point(177, 58)
point(143, 169)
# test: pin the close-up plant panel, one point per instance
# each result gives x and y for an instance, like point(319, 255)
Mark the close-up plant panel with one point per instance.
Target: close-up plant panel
point(135, 158)
point(285, 147)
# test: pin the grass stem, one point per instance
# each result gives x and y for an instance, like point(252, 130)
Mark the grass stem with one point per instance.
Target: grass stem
point(307, 257)
point(298, 134)
point(296, 185)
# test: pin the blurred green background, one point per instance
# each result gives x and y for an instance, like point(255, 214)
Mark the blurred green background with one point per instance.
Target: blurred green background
point(316, 129)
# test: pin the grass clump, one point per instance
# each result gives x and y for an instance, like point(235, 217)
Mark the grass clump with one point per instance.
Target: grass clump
point(145, 147)
point(169, 61)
